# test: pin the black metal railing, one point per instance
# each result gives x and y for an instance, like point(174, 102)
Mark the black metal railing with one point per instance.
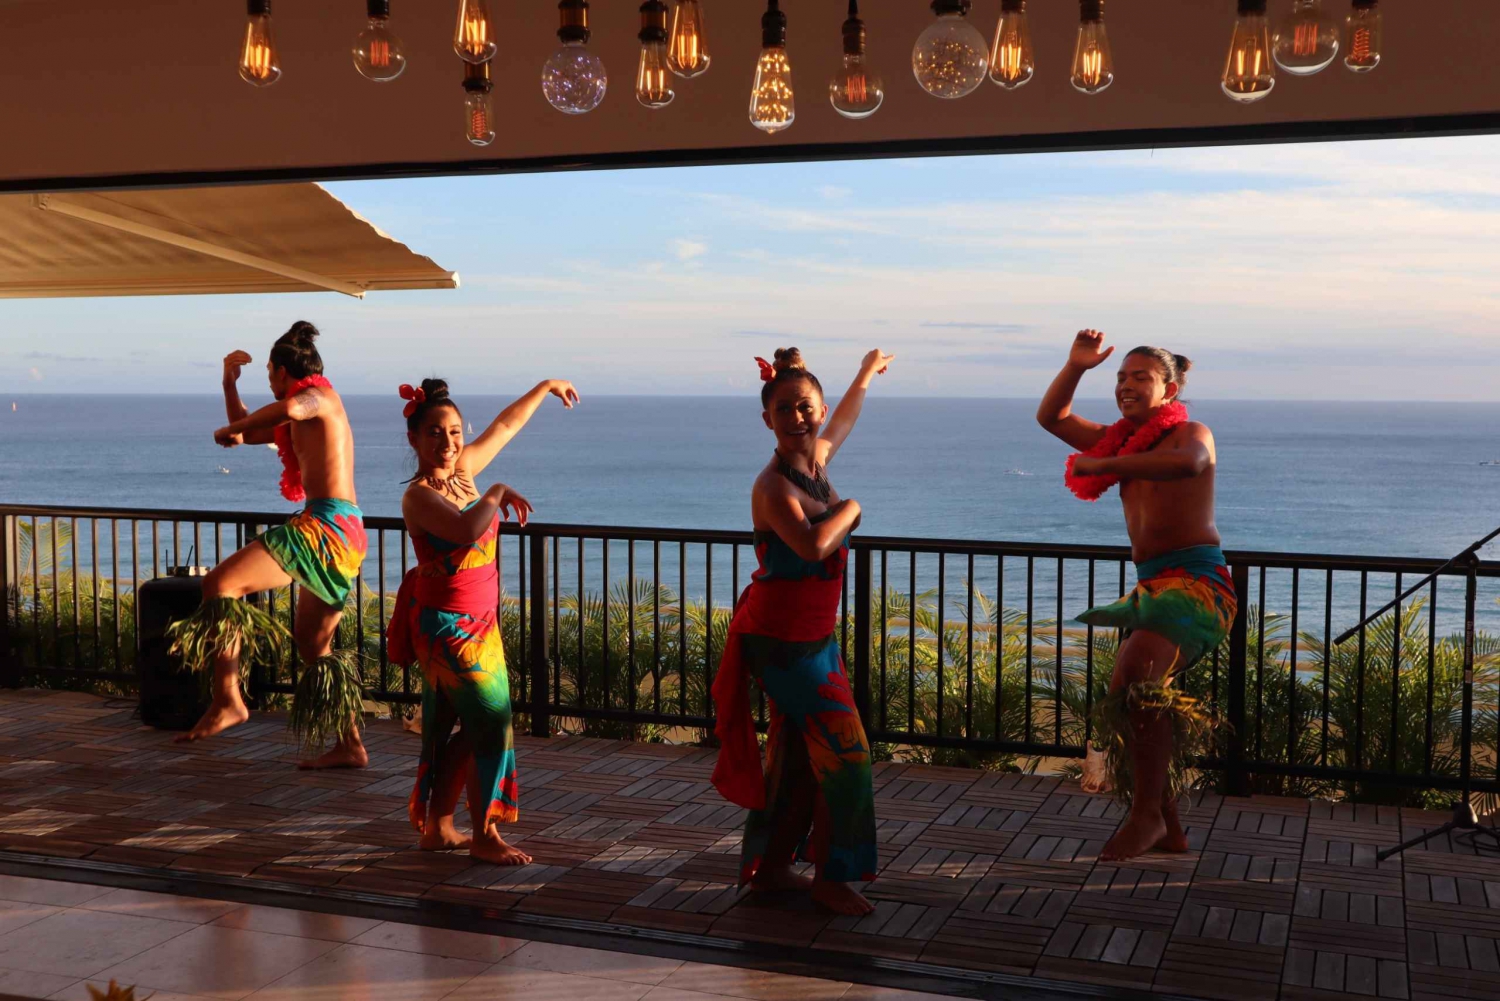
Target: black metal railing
point(962, 652)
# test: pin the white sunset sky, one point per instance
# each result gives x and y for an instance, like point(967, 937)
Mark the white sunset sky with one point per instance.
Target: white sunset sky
point(1331, 270)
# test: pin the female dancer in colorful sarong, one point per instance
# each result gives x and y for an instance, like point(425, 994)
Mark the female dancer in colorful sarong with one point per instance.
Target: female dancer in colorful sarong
point(814, 798)
point(447, 620)
point(1184, 604)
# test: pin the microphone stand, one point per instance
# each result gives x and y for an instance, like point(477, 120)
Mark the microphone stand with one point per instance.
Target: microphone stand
point(1464, 817)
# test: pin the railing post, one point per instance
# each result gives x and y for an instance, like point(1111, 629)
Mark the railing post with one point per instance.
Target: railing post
point(10, 584)
point(1236, 776)
point(541, 721)
point(861, 679)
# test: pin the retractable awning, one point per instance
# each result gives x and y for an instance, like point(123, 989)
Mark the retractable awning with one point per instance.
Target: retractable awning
point(199, 241)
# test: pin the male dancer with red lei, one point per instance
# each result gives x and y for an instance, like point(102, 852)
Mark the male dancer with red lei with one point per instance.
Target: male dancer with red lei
point(1184, 603)
point(321, 548)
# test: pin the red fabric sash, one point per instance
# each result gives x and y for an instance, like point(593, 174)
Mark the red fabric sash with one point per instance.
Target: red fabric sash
point(1122, 438)
point(474, 592)
point(798, 611)
point(291, 469)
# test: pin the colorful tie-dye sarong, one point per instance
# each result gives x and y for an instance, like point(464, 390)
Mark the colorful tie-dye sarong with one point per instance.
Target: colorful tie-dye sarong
point(783, 636)
point(447, 621)
point(1186, 596)
point(321, 547)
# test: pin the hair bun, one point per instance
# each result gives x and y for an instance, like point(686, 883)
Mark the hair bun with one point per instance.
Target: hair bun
point(435, 389)
point(302, 333)
point(788, 359)
point(1183, 363)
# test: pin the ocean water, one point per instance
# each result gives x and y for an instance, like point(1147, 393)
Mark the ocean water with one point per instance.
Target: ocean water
point(1405, 479)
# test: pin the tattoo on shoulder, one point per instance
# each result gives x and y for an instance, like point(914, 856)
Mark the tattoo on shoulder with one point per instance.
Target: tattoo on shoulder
point(306, 404)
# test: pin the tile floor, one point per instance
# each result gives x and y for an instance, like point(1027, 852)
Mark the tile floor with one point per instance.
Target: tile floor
point(58, 938)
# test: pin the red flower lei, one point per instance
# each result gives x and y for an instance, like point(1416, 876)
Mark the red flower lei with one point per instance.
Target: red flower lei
point(291, 470)
point(1123, 438)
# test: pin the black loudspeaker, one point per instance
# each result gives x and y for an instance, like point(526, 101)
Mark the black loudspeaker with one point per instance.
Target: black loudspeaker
point(171, 698)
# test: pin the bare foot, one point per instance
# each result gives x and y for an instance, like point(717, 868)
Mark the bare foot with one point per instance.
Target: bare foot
point(1175, 840)
point(781, 877)
point(342, 756)
point(840, 898)
point(1139, 833)
point(492, 848)
point(216, 719)
point(443, 836)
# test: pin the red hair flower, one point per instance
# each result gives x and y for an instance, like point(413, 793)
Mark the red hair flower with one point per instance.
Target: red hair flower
point(767, 370)
point(417, 397)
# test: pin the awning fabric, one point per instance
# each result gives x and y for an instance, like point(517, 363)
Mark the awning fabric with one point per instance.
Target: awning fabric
point(198, 241)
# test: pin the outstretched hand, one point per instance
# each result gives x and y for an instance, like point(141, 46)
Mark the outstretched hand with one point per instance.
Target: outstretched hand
point(232, 364)
point(876, 362)
point(512, 503)
point(228, 438)
point(563, 390)
point(1088, 350)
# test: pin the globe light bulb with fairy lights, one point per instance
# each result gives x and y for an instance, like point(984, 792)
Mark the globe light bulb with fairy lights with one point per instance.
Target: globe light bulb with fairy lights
point(574, 79)
point(773, 105)
point(260, 65)
point(687, 46)
point(951, 57)
point(1249, 71)
point(1012, 57)
point(378, 54)
point(1307, 41)
point(855, 91)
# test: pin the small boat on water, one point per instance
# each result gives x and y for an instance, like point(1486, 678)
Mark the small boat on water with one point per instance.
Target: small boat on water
point(1016, 472)
point(470, 429)
point(221, 469)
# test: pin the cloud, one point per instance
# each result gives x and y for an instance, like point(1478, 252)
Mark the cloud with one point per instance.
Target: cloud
point(53, 356)
point(997, 328)
point(833, 192)
point(686, 250)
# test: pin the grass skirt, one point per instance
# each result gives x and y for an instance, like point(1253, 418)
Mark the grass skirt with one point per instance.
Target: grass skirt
point(223, 624)
point(1191, 727)
point(329, 696)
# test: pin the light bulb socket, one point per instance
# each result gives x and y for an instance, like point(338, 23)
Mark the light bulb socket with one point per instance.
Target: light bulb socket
point(773, 27)
point(1366, 4)
point(477, 78)
point(941, 7)
point(258, 8)
point(575, 21)
point(1091, 10)
point(1012, 6)
point(854, 33)
point(378, 9)
point(1251, 7)
point(653, 22)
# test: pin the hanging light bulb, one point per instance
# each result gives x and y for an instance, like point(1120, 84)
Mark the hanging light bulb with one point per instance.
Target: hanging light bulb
point(1249, 72)
point(1362, 36)
point(1307, 41)
point(479, 109)
point(1093, 65)
point(1012, 58)
point(950, 58)
point(653, 87)
point(573, 80)
point(377, 50)
point(687, 52)
point(474, 37)
point(259, 63)
point(772, 104)
point(854, 90)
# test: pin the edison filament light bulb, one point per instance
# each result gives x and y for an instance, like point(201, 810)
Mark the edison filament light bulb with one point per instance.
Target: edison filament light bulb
point(1307, 41)
point(653, 81)
point(260, 66)
point(479, 110)
point(474, 35)
point(687, 48)
point(1093, 63)
point(951, 57)
point(855, 91)
point(377, 51)
point(1362, 34)
point(1249, 72)
point(1012, 58)
point(773, 106)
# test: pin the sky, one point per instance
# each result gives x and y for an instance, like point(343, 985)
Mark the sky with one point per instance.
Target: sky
point(1329, 270)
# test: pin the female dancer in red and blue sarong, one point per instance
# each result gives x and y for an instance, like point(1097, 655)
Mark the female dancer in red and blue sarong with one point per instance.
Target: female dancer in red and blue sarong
point(447, 620)
point(814, 798)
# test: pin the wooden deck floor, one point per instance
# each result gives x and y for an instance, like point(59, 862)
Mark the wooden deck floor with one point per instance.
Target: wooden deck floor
point(1278, 897)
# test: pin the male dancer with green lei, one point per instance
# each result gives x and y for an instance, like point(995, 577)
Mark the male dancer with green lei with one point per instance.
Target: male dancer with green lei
point(321, 548)
point(1184, 603)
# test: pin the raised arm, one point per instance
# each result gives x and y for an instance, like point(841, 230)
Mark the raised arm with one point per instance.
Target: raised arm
point(847, 412)
point(480, 452)
point(234, 408)
point(431, 512)
point(1189, 453)
point(811, 542)
point(305, 406)
point(1056, 410)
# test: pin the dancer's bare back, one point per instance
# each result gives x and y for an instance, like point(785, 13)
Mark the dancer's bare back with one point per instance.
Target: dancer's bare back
point(324, 444)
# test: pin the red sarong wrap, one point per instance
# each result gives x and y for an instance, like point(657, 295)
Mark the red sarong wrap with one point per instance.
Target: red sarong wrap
point(797, 611)
point(474, 592)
